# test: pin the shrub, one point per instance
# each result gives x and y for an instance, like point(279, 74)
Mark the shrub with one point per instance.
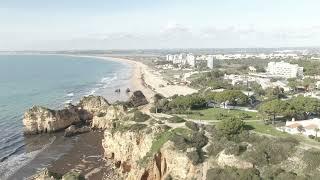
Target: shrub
point(278, 173)
point(222, 116)
point(215, 148)
point(232, 174)
point(312, 158)
point(230, 127)
point(176, 119)
point(192, 125)
point(140, 117)
point(198, 140)
point(235, 149)
point(194, 157)
point(270, 151)
point(137, 127)
point(180, 142)
point(73, 176)
point(209, 128)
point(311, 136)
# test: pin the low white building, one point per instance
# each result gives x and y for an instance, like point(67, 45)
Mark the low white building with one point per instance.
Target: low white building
point(252, 69)
point(285, 70)
point(305, 127)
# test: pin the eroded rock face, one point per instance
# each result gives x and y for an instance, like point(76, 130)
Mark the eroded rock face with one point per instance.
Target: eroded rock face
point(131, 153)
point(233, 161)
point(138, 99)
point(39, 119)
point(94, 104)
point(44, 174)
point(126, 149)
point(74, 130)
point(105, 120)
point(170, 162)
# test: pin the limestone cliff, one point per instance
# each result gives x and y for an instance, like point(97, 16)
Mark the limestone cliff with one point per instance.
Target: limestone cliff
point(135, 155)
point(42, 120)
point(39, 119)
point(106, 120)
point(94, 103)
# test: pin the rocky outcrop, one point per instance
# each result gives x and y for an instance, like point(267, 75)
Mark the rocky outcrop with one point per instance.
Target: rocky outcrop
point(106, 120)
point(170, 162)
point(138, 99)
point(94, 104)
point(232, 161)
point(74, 130)
point(45, 174)
point(127, 148)
point(134, 157)
point(39, 119)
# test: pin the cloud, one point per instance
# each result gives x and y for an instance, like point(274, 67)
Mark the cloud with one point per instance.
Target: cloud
point(175, 35)
point(175, 28)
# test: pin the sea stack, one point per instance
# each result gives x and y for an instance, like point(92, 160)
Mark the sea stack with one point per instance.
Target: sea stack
point(138, 99)
point(39, 119)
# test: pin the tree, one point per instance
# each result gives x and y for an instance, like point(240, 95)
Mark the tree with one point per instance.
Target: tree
point(301, 107)
point(273, 108)
point(187, 102)
point(308, 83)
point(275, 93)
point(230, 127)
point(234, 97)
point(257, 89)
point(293, 83)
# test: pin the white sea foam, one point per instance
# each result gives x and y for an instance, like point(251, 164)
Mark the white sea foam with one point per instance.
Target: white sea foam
point(104, 83)
point(92, 92)
point(70, 94)
point(68, 101)
point(14, 163)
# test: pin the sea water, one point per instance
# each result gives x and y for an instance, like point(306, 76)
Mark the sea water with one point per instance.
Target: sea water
point(52, 81)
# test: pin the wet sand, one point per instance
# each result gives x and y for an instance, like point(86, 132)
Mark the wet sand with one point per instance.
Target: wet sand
point(85, 157)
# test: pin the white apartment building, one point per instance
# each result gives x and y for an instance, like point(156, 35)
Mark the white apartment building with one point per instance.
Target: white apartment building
point(169, 57)
point(210, 62)
point(283, 69)
point(191, 60)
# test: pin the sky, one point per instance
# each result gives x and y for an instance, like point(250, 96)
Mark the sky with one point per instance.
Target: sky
point(157, 24)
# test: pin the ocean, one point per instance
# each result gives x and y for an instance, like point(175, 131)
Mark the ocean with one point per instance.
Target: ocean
point(52, 81)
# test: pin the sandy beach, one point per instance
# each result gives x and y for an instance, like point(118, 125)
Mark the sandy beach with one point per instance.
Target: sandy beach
point(147, 80)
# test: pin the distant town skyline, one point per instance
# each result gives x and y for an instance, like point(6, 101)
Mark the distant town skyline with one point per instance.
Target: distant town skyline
point(143, 24)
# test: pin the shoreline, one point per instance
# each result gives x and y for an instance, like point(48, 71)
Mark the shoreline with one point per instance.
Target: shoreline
point(145, 79)
point(138, 71)
point(142, 78)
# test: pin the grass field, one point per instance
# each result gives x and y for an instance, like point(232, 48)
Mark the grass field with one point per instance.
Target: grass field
point(260, 127)
point(219, 114)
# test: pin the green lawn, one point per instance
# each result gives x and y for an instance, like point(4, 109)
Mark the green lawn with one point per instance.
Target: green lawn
point(260, 127)
point(219, 114)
